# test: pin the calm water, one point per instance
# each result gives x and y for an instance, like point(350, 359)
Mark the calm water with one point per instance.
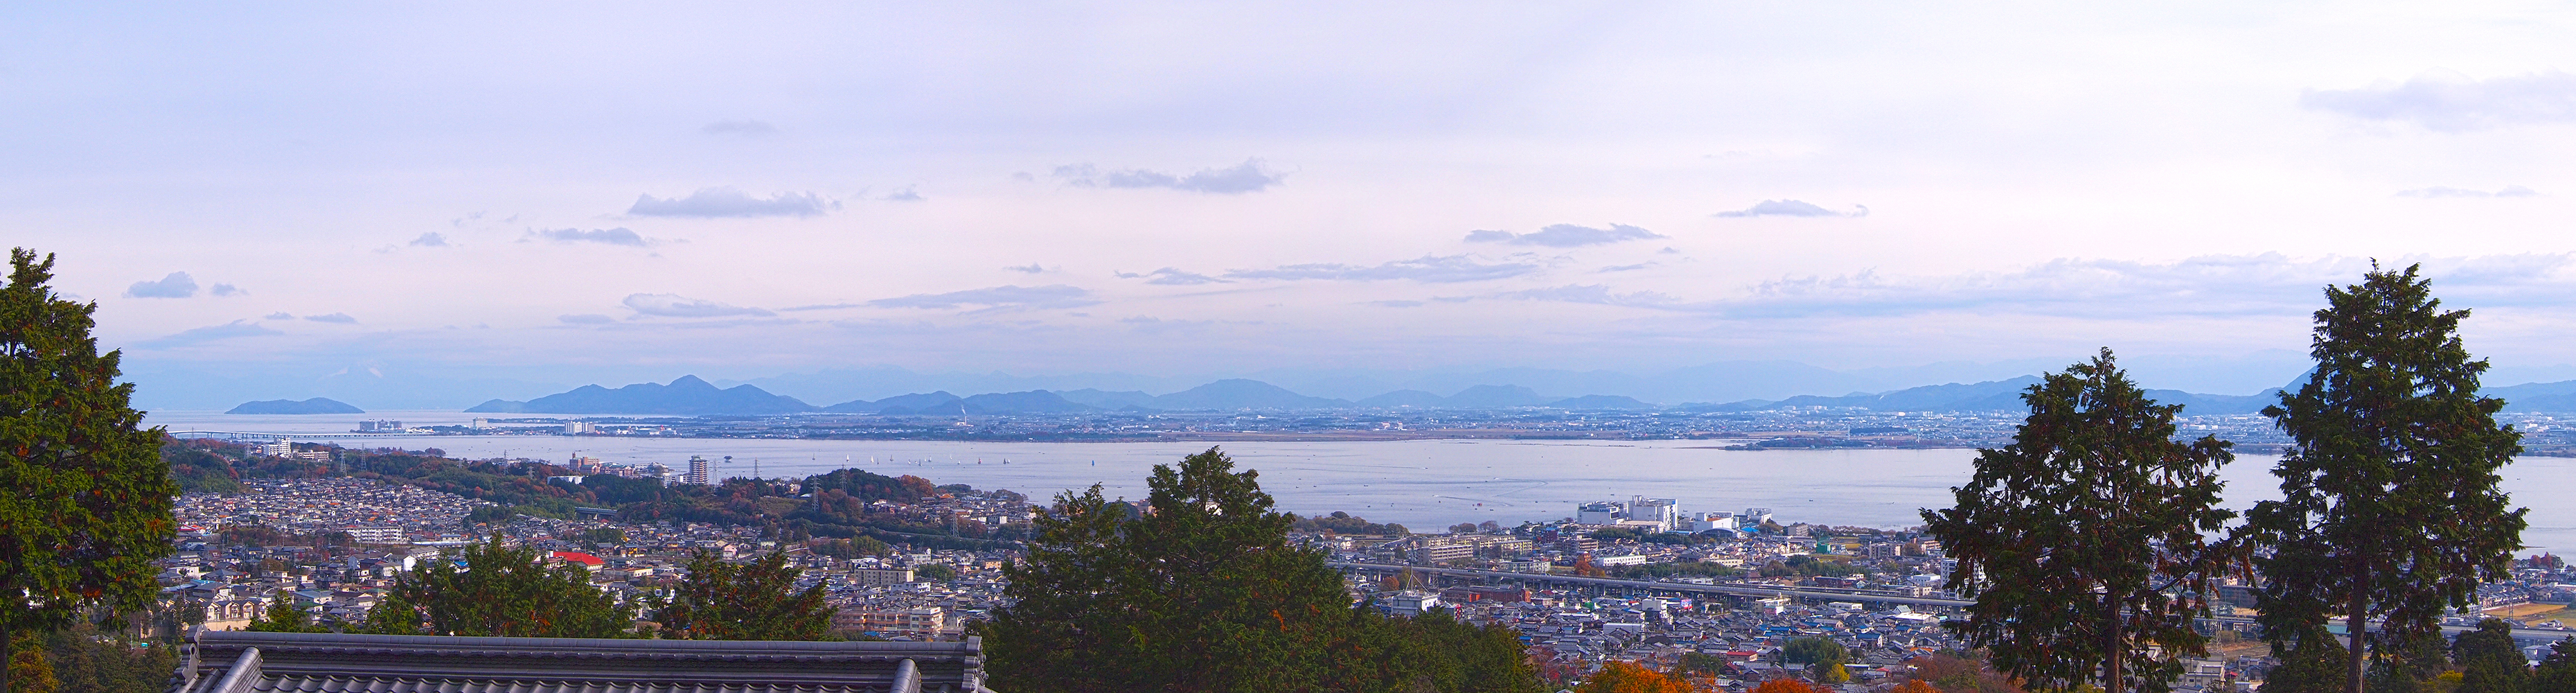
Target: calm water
point(1424, 484)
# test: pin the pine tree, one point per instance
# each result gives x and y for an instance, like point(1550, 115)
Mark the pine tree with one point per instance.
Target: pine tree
point(2390, 510)
point(84, 498)
point(2076, 538)
point(754, 601)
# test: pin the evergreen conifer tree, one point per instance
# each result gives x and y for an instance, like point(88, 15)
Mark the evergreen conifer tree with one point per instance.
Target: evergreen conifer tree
point(2076, 538)
point(84, 497)
point(2390, 510)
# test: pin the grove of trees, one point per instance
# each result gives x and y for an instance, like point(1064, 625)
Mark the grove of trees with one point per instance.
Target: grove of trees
point(1204, 593)
point(2090, 542)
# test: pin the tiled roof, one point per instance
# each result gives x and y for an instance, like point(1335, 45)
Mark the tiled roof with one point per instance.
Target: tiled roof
point(247, 662)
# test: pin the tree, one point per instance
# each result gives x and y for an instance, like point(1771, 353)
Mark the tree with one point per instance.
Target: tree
point(1204, 593)
point(2489, 661)
point(1784, 685)
point(84, 497)
point(506, 591)
point(1627, 677)
point(2389, 508)
point(284, 617)
point(751, 601)
point(2076, 539)
point(1821, 655)
point(935, 572)
point(2557, 672)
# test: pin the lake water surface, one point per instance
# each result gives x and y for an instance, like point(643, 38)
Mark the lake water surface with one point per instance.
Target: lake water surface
point(1424, 484)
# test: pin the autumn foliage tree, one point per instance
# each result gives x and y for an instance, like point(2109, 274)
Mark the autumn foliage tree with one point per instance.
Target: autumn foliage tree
point(1629, 677)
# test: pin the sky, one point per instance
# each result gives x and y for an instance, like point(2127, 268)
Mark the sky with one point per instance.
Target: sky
point(507, 198)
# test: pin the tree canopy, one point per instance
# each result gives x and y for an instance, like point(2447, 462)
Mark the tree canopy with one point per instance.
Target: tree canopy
point(1204, 593)
point(2075, 538)
point(503, 591)
point(2390, 508)
point(750, 601)
point(84, 498)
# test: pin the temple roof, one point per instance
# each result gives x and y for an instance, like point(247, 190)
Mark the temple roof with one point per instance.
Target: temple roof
point(251, 662)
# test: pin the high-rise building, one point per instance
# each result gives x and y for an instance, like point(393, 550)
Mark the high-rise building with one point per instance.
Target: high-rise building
point(701, 471)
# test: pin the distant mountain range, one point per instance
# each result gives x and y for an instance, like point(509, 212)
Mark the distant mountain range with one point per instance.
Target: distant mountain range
point(317, 405)
point(691, 396)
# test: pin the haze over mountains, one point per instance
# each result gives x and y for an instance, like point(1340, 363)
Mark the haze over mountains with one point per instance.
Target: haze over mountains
point(692, 396)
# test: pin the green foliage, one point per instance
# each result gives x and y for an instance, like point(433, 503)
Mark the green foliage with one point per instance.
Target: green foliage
point(283, 616)
point(198, 469)
point(1205, 594)
point(850, 548)
point(1617, 533)
point(506, 591)
point(2488, 660)
point(86, 660)
point(1345, 523)
point(604, 535)
point(934, 572)
point(87, 507)
point(2557, 672)
point(2390, 508)
point(749, 601)
point(2073, 538)
point(1814, 650)
point(1810, 565)
point(30, 671)
point(394, 614)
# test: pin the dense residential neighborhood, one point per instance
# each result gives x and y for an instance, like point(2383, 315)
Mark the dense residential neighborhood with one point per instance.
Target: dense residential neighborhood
point(1718, 593)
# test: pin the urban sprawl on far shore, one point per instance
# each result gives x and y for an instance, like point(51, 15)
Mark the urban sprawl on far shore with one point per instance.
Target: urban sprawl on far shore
point(1611, 580)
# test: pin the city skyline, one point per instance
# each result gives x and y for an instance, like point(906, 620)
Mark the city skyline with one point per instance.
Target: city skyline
point(563, 196)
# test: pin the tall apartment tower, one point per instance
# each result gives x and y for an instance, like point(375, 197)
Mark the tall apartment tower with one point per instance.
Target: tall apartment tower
point(701, 471)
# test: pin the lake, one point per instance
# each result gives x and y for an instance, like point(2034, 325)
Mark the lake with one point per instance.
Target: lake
point(1424, 484)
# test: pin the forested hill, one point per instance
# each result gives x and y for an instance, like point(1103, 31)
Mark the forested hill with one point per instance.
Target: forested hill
point(839, 504)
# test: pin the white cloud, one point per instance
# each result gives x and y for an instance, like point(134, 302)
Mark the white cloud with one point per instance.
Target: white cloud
point(2440, 191)
point(586, 319)
point(904, 195)
point(615, 236)
point(279, 316)
point(341, 318)
point(1792, 208)
point(1565, 236)
point(176, 285)
point(1428, 268)
point(673, 306)
point(1049, 296)
point(227, 290)
point(432, 239)
point(201, 335)
point(2447, 101)
point(1249, 176)
point(1172, 277)
point(1031, 268)
point(727, 201)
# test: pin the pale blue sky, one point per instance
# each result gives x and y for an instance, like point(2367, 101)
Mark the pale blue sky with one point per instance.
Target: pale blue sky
point(628, 191)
